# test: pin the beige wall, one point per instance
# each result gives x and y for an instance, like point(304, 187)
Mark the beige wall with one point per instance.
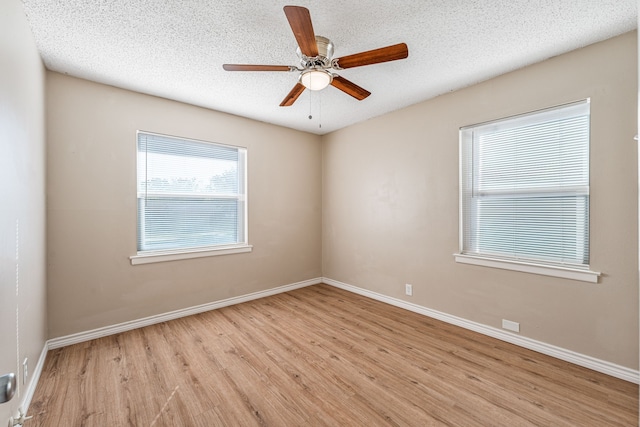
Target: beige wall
point(91, 189)
point(23, 328)
point(390, 206)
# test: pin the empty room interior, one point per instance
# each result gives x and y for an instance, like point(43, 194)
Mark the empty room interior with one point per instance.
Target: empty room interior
point(193, 233)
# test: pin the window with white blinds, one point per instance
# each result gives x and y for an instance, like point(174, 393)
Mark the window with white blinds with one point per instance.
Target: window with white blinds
point(524, 185)
point(191, 194)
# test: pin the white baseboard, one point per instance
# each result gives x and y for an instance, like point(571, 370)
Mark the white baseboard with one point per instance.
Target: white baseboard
point(35, 377)
point(605, 367)
point(151, 320)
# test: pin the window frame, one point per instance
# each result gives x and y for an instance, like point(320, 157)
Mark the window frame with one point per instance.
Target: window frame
point(153, 256)
point(541, 267)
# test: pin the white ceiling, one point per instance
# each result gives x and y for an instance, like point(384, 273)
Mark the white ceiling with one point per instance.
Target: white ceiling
point(175, 48)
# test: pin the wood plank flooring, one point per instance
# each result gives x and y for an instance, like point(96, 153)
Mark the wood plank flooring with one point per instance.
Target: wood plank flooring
point(319, 356)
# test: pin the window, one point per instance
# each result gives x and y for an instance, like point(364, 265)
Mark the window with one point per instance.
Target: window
point(524, 191)
point(191, 197)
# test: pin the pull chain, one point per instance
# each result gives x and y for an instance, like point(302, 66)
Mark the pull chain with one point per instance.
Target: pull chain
point(319, 107)
point(320, 110)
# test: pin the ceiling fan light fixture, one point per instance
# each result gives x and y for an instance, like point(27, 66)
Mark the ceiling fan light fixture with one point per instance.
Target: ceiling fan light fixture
point(315, 79)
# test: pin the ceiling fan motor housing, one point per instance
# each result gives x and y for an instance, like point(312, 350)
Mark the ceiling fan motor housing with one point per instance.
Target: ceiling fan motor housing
point(325, 52)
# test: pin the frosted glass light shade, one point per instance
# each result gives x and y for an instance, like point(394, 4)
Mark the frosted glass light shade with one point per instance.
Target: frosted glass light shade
point(315, 79)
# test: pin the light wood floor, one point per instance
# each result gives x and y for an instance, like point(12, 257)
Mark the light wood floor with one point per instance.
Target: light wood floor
point(319, 356)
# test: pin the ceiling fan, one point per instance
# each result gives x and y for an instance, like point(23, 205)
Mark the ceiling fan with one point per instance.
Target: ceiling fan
point(316, 60)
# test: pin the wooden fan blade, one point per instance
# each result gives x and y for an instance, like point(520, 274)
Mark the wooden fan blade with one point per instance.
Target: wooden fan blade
point(349, 88)
point(375, 56)
point(300, 22)
point(292, 96)
point(249, 67)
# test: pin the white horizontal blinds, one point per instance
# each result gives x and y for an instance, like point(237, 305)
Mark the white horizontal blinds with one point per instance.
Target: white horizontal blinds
point(191, 194)
point(525, 186)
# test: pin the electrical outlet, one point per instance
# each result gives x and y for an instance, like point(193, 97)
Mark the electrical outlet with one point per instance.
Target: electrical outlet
point(25, 370)
point(510, 326)
point(408, 289)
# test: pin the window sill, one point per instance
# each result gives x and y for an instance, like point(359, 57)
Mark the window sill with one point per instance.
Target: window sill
point(527, 267)
point(164, 256)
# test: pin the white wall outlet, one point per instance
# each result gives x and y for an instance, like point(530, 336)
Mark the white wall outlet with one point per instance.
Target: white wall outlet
point(408, 289)
point(25, 370)
point(510, 326)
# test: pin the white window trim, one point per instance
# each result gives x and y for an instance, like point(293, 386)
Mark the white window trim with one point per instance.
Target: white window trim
point(584, 275)
point(164, 256)
point(581, 273)
point(149, 257)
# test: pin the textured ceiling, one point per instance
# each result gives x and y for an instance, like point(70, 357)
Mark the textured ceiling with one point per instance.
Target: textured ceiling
point(175, 48)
